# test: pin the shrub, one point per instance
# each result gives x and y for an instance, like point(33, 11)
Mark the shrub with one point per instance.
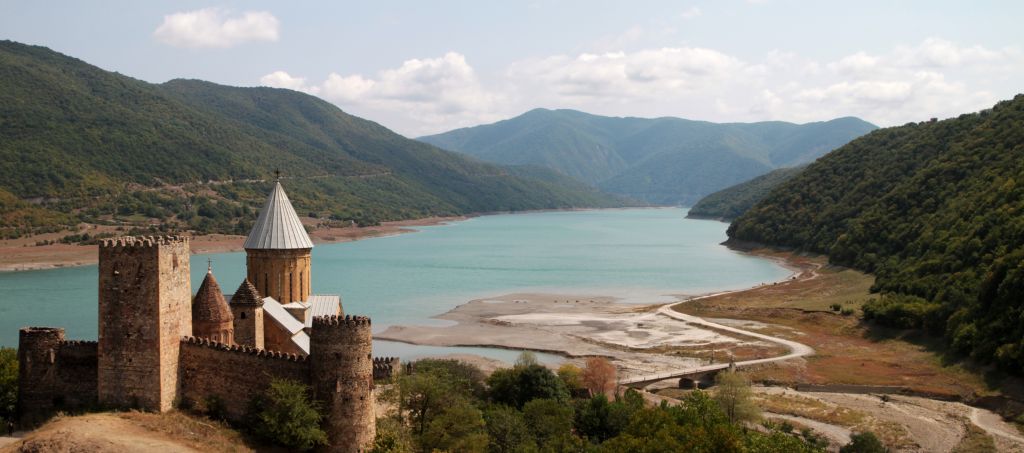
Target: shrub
point(287, 416)
point(8, 383)
point(864, 442)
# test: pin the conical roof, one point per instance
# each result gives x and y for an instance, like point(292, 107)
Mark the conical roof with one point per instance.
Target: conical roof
point(209, 303)
point(246, 294)
point(278, 227)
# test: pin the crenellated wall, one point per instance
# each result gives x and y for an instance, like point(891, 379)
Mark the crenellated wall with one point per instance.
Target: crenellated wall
point(385, 368)
point(233, 374)
point(54, 374)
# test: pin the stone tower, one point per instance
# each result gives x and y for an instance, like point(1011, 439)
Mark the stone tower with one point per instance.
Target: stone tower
point(278, 251)
point(37, 353)
point(145, 297)
point(340, 350)
point(247, 310)
point(211, 317)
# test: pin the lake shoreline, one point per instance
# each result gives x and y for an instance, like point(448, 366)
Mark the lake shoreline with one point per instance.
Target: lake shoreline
point(579, 325)
point(22, 254)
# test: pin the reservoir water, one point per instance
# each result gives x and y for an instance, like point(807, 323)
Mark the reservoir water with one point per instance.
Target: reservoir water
point(641, 255)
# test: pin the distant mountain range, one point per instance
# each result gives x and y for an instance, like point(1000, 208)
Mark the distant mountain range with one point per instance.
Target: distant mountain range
point(935, 210)
point(668, 161)
point(78, 143)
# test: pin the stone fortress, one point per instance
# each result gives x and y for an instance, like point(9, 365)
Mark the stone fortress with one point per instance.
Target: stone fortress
point(160, 347)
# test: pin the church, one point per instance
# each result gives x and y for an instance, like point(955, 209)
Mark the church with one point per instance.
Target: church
point(273, 308)
point(159, 347)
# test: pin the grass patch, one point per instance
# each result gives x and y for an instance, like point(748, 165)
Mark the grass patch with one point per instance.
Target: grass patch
point(975, 440)
point(200, 433)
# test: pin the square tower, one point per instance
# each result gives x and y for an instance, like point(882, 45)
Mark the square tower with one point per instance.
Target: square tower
point(145, 298)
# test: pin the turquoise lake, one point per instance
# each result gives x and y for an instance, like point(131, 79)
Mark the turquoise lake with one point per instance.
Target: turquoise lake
point(640, 255)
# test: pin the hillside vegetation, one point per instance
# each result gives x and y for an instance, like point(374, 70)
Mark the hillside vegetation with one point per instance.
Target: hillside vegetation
point(78, 143)
point(668, 161)
point(935, 210)
point(729, 203)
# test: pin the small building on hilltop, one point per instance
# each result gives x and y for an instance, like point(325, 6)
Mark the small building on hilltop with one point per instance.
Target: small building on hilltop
point(160, 346)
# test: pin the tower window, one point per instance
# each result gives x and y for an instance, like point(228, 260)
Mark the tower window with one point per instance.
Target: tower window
point(243, 315)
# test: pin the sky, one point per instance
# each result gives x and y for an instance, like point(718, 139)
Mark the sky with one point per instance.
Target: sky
point(421, 67)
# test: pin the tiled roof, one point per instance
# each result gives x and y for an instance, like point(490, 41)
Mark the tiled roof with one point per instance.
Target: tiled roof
point(209, 303)
point(278, 227)
point(246, 295)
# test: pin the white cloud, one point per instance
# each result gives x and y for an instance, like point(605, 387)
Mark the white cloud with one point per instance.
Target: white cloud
point(935, 78)
point(215, 27)
point(434, 93)
point(690, 13)
point(281, 79)
point(648, 74)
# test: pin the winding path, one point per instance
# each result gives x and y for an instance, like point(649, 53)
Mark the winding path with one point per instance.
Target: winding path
point(795, 349)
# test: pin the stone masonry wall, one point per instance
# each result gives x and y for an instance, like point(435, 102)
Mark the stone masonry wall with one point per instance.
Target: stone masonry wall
point(144, 309)
point(53, 374)
point(233, 374)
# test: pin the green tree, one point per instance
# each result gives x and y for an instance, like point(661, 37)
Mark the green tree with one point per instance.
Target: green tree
point(507, 431)
point(521, 384)
point(8, 383)
point(598, 420)
point(548, 420)
point(393, 436)
point(732, 392)
point(865, 442)
point(289, 417)
point(460, 427)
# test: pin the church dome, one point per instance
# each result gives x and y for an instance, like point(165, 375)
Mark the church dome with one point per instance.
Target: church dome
point(211, 317)
point(278, 226)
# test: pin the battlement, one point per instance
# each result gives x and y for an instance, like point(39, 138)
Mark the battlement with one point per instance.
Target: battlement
point(334, 321)
point(77, 343)
point(247, 350)
point(42, 331)
point(142, 241)
point(386, 367)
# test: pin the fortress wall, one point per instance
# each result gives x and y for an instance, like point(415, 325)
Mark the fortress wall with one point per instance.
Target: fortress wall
point(54, 374)
point(233, 374)
point(77, 373)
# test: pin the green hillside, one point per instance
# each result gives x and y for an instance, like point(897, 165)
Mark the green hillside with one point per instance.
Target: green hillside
point(729, 203)
point(78, 143)
point(935, 210)
point(668, 161)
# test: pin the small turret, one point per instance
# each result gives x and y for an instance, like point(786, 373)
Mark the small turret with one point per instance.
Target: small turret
point(211, 317)
point(342, 366)
point(37, 356)
point(247, 311)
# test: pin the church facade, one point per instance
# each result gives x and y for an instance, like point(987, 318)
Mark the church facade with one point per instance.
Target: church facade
point(160, 347)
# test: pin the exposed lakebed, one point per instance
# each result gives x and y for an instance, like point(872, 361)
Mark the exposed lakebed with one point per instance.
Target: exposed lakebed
point(636, 255)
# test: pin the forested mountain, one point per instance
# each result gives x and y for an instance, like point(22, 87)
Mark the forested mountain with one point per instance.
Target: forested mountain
point(662, 160)
point(935, 210)
point(729, 203)
point(80, 143)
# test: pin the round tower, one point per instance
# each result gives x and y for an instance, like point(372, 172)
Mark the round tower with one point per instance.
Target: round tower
point(211, 317)
point(342, 374)
point(278, 251)
point(37, 354)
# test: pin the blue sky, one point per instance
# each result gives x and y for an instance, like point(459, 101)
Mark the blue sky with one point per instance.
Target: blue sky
point(423, 67)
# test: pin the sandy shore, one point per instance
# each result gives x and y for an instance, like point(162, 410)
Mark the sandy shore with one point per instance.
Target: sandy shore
point(23, 254)
point(636, 337)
